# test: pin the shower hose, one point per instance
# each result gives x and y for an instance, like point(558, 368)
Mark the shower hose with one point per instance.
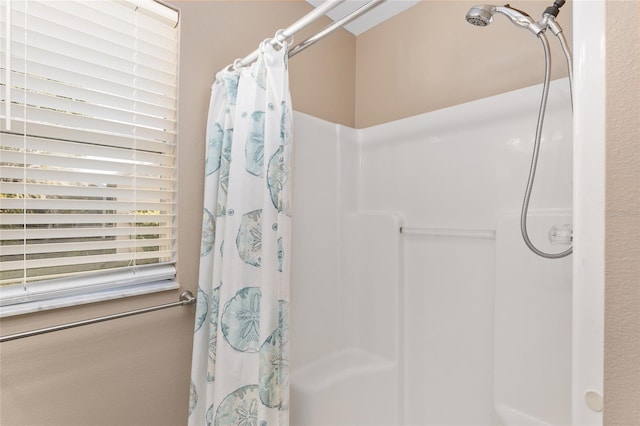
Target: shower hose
point(538, 137)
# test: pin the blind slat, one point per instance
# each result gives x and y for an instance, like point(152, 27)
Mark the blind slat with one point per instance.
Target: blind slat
point(131, 102)
point(57, 176)
point(66, 162)
point(81, 149)
point(95, 245)
point(103, 16)
point(119, 15)
point(104, 138)
point(81, 206)
point(34, 44)
point(55, 219)
point(77, 78)
point(122, 194)
point(60, 118)
point(82, 65)
point(79, 260)
point(82, 232)
point(100, 38)
point(53, 101)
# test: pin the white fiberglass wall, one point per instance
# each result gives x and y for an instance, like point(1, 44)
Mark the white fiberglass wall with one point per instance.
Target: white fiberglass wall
point(452, 320)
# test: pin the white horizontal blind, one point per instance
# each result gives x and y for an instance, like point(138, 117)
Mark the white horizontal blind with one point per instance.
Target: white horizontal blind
point(87, 150)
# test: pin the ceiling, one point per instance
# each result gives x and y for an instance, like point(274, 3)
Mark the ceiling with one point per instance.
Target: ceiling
point(379, 14)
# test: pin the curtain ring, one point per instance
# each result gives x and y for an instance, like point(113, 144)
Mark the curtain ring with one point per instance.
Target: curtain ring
point(236, 64)
point(264, 43)
point(281, 39)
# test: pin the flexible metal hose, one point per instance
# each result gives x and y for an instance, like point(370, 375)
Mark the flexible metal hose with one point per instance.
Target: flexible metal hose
point(567, 54)
point(534, 158)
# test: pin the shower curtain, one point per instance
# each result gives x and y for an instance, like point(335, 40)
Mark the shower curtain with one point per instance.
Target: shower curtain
point(240, 359)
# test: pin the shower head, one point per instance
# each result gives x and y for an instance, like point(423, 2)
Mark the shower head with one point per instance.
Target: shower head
point(483, 15)
point(480, 15)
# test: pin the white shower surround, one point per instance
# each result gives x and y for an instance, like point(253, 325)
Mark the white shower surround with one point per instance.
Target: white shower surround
point(589, 60)
point(391, 328)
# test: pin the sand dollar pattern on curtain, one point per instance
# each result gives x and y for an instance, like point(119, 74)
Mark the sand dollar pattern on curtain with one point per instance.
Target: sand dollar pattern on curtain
point(240, 363)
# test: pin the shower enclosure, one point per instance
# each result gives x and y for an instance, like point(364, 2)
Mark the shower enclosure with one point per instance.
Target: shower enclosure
point(415, 300)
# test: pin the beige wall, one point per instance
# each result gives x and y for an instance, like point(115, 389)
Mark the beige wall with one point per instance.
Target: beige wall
point(429, 57)
point(622, 225)
point(135, 371)
point(211, 44)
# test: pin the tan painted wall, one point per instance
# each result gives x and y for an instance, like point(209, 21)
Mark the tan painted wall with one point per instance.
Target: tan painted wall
point(622, 225)
point(211, 45)
point(135, 371)
point(429, 57)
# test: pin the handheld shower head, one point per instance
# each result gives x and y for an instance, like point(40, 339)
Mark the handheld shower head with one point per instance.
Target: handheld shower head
point(483, 15)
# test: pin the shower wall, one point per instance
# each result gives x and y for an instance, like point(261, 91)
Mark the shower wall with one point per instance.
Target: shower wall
point(452, 321)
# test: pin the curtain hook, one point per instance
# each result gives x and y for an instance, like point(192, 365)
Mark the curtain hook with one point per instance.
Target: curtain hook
point(236, 65)
point(281, 39)
point(264, 43)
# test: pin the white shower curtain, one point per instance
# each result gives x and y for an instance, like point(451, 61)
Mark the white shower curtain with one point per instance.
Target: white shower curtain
point(240, 360)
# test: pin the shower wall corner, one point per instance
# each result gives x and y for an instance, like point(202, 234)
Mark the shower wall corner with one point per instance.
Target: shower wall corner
point(344, 263)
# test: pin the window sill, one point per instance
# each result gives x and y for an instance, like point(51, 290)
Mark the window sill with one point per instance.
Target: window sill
point(92, 297)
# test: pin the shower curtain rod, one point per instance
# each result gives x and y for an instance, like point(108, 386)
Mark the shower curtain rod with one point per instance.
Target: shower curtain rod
point(335, 26)
point(303, 22)
point(282, 35)
point(186, 298)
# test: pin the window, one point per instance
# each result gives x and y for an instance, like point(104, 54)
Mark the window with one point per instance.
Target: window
point(87, 151)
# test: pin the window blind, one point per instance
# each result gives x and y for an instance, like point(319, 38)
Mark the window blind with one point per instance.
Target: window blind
point(87, 152)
